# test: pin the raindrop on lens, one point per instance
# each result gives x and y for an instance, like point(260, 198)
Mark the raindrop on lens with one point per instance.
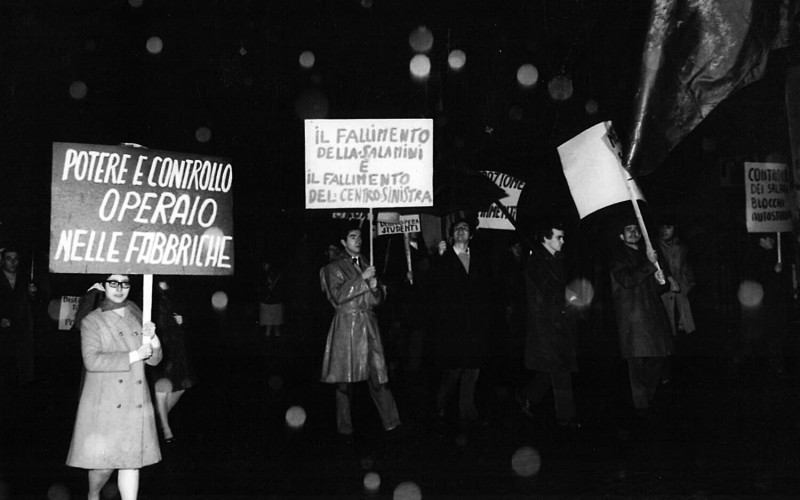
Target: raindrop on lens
point(526, 461)
point(295, 417)
point(307, 59)
point(527, 75)
point(57, 491)
point(420, 66)
point(407, 491)
point(372, 482)
point(203, 134)
point(421, 39)
point(219, 300)
point(78, 90)
point(155, 45)
point(750, 294)
point(456, 59)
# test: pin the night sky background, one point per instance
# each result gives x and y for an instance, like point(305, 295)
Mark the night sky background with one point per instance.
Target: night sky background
point(232, 67)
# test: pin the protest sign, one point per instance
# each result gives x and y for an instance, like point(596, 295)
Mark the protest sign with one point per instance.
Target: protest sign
point(406, 224)
point(768, 197)
point(494, 217)
point(116, 209)
point(66, 311)
point(592, 163)
point(369, 163)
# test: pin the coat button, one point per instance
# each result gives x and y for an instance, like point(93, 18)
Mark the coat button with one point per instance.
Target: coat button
point(120, 381)
point(138, 406)
point(139, 382)
point(119, 406)
point(120, 334)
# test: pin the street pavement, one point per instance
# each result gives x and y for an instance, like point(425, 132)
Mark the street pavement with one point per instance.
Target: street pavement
point(719, 430)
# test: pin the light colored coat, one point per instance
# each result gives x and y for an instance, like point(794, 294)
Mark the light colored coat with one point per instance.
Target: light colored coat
point(115, 425)
point(354, 341)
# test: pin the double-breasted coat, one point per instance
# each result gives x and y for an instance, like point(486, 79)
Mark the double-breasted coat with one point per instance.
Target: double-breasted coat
point(466, 313)
point(115, 425)
point(354, 346)
point(550, 345)
point(641, 318)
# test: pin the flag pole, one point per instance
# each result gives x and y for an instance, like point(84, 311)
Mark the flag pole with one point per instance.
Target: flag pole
point(629, 184)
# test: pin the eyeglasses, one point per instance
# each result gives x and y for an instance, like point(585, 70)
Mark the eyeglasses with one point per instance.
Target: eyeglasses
point(116, 284)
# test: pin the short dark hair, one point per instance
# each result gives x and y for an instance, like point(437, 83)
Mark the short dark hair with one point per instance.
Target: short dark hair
point(350, 225)
point(546, 232)
point(471, 222)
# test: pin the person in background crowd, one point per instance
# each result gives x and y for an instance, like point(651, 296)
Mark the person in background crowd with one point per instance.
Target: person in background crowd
point(16, 318)
point(270, 290)
point(462, 284)
point(115, 427)
point(175, 373)
point(511, 282)
point(644, 335)
point(766, 321)
point(680, 276)
point(550, 346)
point(354, 351)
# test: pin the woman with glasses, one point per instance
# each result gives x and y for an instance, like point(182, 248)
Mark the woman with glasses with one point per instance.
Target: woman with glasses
point(115, 428)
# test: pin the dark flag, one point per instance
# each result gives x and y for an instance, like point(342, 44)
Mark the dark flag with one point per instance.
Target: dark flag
point(697, 53)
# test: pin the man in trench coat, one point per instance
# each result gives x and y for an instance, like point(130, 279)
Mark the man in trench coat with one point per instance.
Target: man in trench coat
point(644, 332)
point(354, 351)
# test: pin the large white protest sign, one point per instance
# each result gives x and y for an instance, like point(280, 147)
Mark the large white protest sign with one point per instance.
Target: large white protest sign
point(405, 224)
point(592, 163)
point(369, 163)
point(768, 197)
point(116, 209)
point(494, 218)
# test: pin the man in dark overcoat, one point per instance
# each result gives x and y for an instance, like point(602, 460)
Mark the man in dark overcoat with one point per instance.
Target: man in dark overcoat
point(644, 333)
point(462, 284)
point(550, 346)
point(16, 316)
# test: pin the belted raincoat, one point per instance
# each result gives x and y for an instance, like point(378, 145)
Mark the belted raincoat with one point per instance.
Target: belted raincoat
point(354, 341)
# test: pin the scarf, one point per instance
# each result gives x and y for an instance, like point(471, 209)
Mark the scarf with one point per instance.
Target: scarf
point(108, 305)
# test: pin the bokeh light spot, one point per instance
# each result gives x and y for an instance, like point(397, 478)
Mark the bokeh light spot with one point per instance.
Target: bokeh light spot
point(580, 293)
point(372, 482)
point(527, 75)
point(367, 4)
point(750, 294)
point(456, 59)
point(407, 490)
point(295, 417)
point(420, 66)
point(526, 461)
point(163, 385)
point(591, 107)
point(219, 300)
point(421, 40)
point(202, 134)
point(58, 491)
point(155, 45)
point(560, 88)
point(311, 104)
point(78, 89)
point(307, 59)
point(54, 309)
point(135, 3)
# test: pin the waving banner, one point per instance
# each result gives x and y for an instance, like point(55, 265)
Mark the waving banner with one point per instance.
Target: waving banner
point(117, 209)
point(494, 218)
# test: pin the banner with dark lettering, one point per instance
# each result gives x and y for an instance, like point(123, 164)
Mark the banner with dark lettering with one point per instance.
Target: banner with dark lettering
point(404, 224)
point(118, 209)
point(494, 218)
point(768, 197)
point(369, 163)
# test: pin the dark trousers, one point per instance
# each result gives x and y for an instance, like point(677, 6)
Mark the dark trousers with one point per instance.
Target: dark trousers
point(561, 384)
point(466, 394)
point(645, 377)
point(381, 396)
